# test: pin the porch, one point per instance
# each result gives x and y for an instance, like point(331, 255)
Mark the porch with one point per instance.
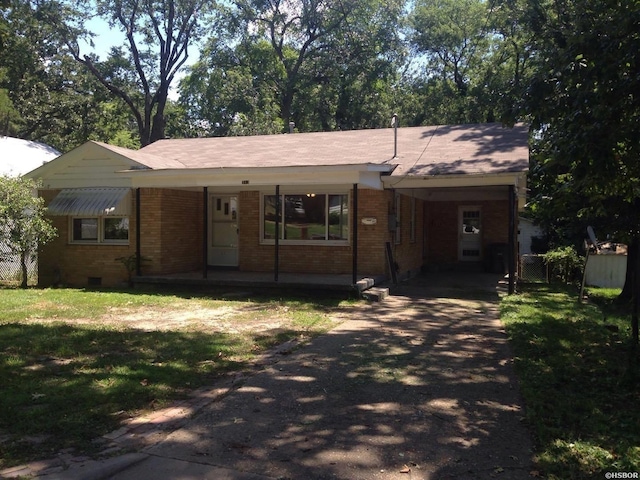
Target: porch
point(262, 280)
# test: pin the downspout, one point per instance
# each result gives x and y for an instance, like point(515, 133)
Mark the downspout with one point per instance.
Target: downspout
point(277, 236)
point(512, 242)
point(355, 234)
point(138, 229)
point(205, 231)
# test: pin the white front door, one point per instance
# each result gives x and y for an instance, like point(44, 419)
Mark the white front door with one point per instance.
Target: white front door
point(469, 234)
point(223, 231)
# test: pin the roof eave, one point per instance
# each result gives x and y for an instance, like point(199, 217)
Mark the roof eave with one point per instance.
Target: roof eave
point(366, 167)
point(454, 180)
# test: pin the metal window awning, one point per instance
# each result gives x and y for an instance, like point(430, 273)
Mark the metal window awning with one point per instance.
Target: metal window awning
point(91, 202)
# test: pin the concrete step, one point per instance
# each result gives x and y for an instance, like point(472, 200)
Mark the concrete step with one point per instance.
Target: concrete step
point(364, 284)
point(375, 294)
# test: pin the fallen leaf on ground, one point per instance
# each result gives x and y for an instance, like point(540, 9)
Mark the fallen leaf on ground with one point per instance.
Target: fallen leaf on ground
point(405, 469)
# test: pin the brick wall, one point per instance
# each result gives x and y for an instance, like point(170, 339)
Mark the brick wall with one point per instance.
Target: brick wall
point(68, 264)
point(182, 231)
point(170, 242)
point(171, 230)
point(172, 234)
point(408, 254)
point(372, 256)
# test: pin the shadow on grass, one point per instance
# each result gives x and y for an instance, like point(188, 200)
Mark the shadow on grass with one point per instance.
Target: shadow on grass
point(326, 298)
point(579, 377)
point(64, 386)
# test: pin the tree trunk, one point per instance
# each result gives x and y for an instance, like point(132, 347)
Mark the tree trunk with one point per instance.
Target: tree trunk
point(635, 266)
point(632, 253)
point(25, 271)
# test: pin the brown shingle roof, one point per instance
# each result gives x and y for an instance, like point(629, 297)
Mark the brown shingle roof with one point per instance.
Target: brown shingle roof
point(422, 151)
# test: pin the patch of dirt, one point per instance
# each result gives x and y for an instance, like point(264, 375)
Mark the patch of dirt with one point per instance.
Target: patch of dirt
point(229, 319)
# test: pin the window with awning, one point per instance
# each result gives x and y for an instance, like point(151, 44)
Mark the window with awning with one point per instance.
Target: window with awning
point(96, 215)
point(91, 202)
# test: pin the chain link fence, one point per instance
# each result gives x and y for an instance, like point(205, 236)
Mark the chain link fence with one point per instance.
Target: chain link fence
point(10, 271)
point(533, 269)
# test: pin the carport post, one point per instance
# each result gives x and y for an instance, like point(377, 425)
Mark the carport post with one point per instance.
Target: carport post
point(205, 230)
point(138, 229)
point(355, 234)
point(512, 239)
point(277, 236)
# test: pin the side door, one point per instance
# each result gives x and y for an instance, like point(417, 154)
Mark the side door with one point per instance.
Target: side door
point(469, 234)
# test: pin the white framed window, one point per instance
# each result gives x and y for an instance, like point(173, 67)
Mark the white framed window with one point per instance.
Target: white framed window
point(100, 230)
point(306, 218)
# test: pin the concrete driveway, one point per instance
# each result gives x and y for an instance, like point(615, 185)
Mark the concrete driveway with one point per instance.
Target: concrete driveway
point(419, 386)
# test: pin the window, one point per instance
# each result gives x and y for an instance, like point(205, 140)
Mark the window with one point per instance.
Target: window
point(307, 217)
point(85, 229)
point(100, 230)
point(116, 229)
point(470, 222)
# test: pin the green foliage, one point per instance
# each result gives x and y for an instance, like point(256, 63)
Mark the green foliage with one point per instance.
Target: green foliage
point(156, 37)
point(475, 60)
point(131, 264)
point(565, 264)
point(584, 101)
point(579, 378)
point(324, 66)
point(228, 92)
point(331, 65)
point(23, 226)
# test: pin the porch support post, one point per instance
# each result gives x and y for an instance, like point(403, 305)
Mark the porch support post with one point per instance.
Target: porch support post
point(138, 229)
point(276, 266)
point(205, 230)
point(355, 234)
point(512, 239)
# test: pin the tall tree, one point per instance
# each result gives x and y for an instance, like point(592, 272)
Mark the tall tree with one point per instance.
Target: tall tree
point(157, 35)
point(45, 94)
point(585, 100)
point(231, 90)
point(452, 35)
point(314, 42)
point(474, 58)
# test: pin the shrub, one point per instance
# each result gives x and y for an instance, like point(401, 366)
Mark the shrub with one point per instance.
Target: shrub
point(564, 264)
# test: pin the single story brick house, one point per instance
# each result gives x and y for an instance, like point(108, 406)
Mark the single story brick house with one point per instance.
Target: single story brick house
point(368, 203)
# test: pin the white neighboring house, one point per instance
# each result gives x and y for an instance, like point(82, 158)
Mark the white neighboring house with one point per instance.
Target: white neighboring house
point(526, 231)
point(18, 157)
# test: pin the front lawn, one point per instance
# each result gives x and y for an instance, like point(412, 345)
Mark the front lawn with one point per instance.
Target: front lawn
point(75, 363)
point(579, 380)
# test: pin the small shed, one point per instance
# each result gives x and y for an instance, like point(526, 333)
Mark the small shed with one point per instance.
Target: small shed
point(607, 268)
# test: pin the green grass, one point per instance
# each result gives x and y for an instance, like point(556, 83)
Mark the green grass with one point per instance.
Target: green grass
point(579, 378)
point(71, 371)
